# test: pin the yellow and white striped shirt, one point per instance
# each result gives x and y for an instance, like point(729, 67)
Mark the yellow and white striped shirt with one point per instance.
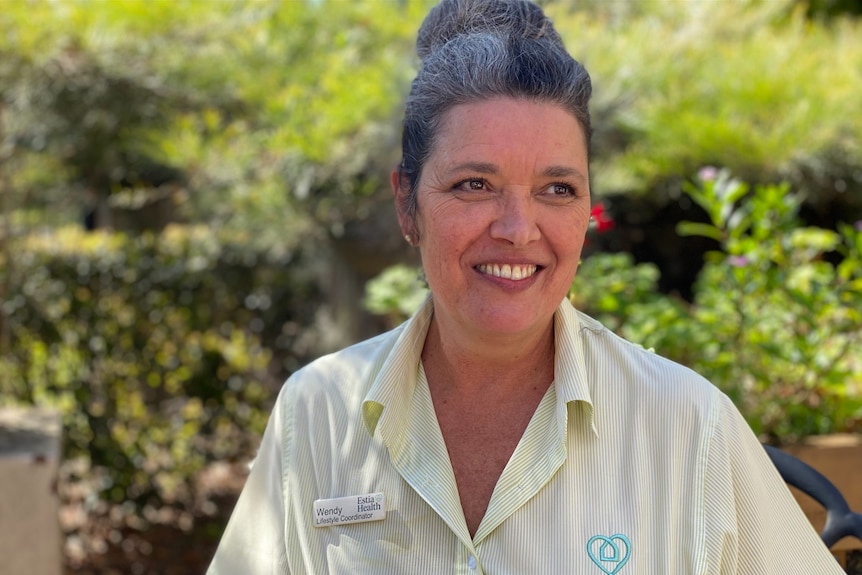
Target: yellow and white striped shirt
point(632, 464)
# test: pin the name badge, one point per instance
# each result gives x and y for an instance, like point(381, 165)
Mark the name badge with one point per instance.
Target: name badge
point(350, 509)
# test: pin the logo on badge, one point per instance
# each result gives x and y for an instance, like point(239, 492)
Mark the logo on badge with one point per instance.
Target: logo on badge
point(609, 554)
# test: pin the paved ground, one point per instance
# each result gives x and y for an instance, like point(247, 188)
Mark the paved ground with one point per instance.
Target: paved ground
point(109, 540)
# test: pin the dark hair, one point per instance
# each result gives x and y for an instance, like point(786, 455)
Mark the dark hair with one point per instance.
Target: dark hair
point(474, 50)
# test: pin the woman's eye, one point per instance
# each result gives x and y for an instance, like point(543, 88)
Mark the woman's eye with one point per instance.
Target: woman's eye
point(471, 186)
point(562, 190)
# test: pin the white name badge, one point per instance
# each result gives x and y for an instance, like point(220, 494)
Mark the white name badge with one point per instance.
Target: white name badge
point(350, 509)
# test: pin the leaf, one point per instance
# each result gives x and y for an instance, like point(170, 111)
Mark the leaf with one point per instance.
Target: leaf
point(699, 229)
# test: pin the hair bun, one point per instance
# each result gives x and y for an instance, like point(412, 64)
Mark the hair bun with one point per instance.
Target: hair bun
point(512, 18)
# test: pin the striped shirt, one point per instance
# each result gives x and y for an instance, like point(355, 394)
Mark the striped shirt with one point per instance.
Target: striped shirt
point(631, 464)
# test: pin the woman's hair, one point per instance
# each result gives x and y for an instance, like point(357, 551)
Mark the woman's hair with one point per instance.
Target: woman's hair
point(474, 50)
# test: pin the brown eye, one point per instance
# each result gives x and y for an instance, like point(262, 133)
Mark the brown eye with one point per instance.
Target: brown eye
point(471, 185)
point(562, 190)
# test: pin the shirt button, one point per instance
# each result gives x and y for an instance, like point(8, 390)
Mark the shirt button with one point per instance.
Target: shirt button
point(471, 562)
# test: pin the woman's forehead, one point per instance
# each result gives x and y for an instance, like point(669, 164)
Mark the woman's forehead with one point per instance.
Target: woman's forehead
point(479, 135)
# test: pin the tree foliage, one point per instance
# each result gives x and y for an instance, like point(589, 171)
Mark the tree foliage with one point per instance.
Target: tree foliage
point(264, 110)
point(754, 87)
point(256, 110)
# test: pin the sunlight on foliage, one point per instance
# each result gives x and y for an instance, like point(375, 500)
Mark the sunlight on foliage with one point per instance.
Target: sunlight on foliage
point(751, 86)
point(396, 293)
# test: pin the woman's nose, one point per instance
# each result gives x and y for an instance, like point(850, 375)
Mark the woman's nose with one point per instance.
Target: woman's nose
point(516, 221)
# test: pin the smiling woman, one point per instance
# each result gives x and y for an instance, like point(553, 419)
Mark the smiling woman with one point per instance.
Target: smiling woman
point(499, 430)
point(502, 209)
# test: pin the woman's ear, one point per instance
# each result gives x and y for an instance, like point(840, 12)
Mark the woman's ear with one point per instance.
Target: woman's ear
point(400, 191)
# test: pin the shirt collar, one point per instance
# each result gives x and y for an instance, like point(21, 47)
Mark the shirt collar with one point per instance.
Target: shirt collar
point(570, 368)
point(388, 400)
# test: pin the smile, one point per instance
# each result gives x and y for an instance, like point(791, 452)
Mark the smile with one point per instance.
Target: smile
point(509, 272)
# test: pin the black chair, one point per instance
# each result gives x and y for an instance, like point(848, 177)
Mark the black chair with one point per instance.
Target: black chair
point(841, 521)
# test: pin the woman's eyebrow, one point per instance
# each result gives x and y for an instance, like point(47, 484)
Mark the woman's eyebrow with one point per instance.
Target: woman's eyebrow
point(563, 172)
point(477, 167)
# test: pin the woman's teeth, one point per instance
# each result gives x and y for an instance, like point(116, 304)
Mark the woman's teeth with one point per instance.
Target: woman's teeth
point(506, 271)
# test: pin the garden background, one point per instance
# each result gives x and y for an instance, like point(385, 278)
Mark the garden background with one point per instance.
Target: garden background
point(194, 199)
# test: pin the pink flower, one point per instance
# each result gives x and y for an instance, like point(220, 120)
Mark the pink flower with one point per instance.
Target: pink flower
point(707, 173)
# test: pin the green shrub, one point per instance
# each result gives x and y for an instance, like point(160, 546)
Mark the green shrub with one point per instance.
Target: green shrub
point(624, 296)
point(396, 293)
point(782, 305)
point(159, 350)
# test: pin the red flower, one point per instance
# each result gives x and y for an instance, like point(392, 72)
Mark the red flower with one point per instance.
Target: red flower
point(600, 219)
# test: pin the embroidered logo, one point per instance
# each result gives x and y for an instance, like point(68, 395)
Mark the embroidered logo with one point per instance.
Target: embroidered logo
point(610, 554)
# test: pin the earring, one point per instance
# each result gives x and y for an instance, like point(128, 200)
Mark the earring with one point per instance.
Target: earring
point(409, 239)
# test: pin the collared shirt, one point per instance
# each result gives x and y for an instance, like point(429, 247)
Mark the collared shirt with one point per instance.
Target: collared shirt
point(631, 464)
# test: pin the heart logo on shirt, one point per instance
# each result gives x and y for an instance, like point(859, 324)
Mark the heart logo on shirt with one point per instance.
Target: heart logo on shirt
point(609, 553)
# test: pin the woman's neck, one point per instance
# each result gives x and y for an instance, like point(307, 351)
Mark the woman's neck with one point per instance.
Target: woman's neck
point(479, 365)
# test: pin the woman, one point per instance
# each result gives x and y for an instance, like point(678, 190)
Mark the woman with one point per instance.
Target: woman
point(499, 430)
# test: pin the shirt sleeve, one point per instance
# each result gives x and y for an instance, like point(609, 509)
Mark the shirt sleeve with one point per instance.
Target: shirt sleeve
point(253, 541)
point(753, 523)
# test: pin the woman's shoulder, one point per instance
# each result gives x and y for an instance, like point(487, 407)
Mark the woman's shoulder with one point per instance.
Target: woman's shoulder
point(345, 373)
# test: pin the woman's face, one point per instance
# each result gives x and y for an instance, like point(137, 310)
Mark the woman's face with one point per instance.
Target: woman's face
point(503, 208)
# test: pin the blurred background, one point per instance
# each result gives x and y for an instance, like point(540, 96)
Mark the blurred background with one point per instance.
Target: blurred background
point(194, 203)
